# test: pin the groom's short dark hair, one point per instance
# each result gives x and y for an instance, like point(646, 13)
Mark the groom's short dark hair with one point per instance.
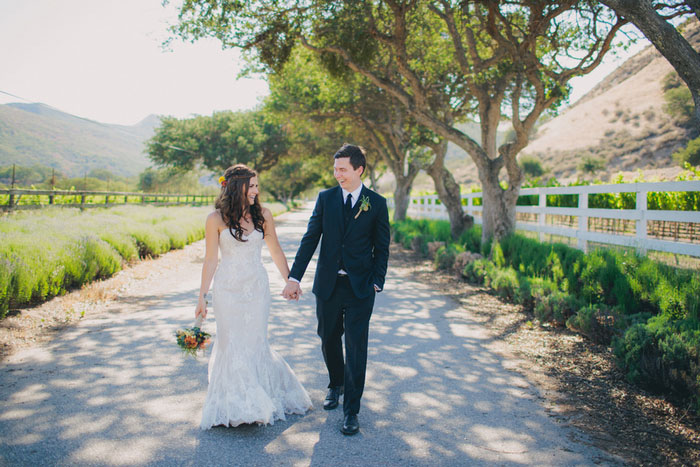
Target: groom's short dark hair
point(355, 153)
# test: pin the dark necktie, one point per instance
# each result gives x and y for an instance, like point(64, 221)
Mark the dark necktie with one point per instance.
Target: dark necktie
point(348, 207)
point(347, 212)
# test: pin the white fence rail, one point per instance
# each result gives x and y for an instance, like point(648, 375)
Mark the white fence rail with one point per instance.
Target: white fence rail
point(430, 207)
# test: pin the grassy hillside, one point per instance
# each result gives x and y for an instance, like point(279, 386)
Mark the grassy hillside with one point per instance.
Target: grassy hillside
point(38, 134)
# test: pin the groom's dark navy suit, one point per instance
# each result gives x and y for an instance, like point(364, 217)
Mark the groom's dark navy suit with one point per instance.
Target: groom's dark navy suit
point(359, 244)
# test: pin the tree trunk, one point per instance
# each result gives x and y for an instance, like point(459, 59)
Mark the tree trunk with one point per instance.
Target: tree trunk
point(667, 40)
point(372, 176)
point(402, 195)
point(498, 215)
point(404, 184)
point(449, 192)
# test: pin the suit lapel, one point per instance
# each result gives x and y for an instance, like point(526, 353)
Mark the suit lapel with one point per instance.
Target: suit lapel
point(338, 207)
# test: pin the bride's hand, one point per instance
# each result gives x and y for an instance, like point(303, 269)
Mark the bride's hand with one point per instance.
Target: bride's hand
point(201, 308)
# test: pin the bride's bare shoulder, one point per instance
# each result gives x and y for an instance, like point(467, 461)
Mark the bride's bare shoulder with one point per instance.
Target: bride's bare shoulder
point(215, 218)
point(267, 214)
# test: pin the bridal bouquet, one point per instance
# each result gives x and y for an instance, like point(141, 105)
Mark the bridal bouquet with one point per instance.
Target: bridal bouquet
point(193, 339)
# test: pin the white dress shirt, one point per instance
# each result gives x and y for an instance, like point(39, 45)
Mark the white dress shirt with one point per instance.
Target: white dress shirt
point(355, 195)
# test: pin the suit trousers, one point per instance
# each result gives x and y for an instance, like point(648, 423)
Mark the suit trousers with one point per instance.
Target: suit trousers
point(342, 313)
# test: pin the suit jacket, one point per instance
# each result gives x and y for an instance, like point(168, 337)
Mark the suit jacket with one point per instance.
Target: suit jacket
point(363, 243)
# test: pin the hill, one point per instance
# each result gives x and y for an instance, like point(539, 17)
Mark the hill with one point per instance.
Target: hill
point(621, 121)
point(39, 134)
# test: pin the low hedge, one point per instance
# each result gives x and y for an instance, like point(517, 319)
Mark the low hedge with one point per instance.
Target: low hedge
point(647, 311)
point(46, 253)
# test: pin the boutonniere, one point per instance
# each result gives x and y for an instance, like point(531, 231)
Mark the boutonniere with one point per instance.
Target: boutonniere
point(364, 206)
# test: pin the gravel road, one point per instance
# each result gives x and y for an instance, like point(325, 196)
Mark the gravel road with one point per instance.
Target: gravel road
point(115, 390)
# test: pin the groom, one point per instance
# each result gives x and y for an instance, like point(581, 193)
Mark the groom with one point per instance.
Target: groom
point(352, 223)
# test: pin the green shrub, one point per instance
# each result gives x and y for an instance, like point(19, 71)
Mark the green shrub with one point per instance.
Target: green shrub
point(597, 322)
point(445, 257)
point(477, 271)
point(125, 244)
point(531, 166)
point(439, 231)
point(679, 103)
point(497, 255)
point(505, 283)
point(471, 239)
point(590, 164)
point(604, 280)
point(150, 242)
point(5, 285)
point(690, 154)
point(662, 356)
point(671, 81)
point(556, 307)
point(556, 261)
point(540, 288)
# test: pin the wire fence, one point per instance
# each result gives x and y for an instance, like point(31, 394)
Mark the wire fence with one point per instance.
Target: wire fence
point(16, 199)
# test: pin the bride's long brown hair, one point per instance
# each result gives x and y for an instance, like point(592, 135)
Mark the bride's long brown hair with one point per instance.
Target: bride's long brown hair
point(233, 203)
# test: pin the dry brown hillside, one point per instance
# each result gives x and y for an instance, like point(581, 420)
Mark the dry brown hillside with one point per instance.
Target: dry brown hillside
point(621, 121)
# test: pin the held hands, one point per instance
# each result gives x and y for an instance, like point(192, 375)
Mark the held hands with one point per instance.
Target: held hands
point(201, 308)
point(292, 291)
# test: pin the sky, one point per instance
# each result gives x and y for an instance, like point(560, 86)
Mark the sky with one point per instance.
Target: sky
point(103, 60)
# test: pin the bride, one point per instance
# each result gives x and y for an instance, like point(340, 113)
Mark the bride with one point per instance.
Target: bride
point(248, 381)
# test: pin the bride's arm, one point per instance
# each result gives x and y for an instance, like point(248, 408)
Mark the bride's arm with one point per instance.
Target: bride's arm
point(273, 244)
point(211, 260)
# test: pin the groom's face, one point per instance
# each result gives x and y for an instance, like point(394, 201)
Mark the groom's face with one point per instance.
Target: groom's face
point(347, 177)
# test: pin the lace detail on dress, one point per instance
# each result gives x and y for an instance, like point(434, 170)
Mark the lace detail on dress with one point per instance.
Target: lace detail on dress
point(248, 381)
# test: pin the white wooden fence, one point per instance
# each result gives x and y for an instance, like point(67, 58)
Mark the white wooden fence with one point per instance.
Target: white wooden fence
point(546, 216)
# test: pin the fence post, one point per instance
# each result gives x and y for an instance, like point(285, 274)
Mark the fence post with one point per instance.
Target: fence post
point(582, 222)
point(82, 200)
point(11, 204)
point(641, 231)
point(53, 186)
point(542, 216)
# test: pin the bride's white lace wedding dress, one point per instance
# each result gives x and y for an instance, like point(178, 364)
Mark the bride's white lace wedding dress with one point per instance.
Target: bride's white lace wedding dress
point(248, 381)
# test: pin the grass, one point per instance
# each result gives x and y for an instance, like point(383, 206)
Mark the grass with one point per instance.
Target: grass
point(46, 253)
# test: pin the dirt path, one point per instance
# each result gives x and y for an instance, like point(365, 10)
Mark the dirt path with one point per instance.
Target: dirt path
point(114, 390)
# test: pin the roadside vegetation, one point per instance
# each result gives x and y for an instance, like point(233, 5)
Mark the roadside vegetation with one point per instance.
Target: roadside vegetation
point(646, 311)
point(46, 253)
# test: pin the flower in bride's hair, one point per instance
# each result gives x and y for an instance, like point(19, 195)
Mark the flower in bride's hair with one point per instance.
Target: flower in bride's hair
point(222, 180)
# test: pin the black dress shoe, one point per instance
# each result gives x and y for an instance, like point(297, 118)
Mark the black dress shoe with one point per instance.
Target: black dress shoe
point(332, 397)
point(350, 426)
